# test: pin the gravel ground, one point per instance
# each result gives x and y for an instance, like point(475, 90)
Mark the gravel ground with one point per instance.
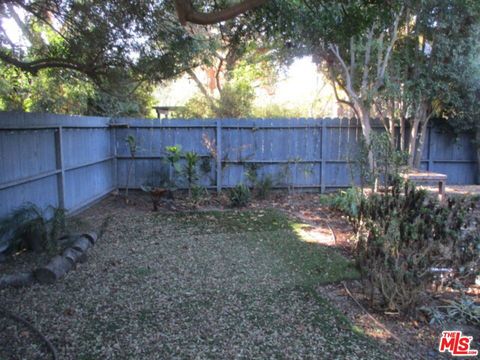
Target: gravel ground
point(204, 285)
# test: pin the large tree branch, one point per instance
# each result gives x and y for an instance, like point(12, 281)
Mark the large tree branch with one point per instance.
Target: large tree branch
point(390, 46)
point(352, 57)
point(366, 64)
point(348, 80)
point(217, 75)
point(186, 12)
point(335, 92)
point(204, 91)
point(37, 65)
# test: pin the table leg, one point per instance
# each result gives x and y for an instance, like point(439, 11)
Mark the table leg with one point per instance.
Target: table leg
point(441, 190)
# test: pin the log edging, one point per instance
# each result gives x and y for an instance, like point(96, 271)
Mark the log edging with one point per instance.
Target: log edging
point(57, 267)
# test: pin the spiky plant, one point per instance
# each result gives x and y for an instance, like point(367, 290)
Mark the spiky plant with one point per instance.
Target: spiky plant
point(190, 170)
point(30, 227)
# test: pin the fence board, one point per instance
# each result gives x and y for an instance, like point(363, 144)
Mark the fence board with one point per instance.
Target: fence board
point(304, 153)
point(42, 166)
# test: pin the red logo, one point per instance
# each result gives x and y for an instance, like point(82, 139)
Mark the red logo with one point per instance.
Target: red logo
point(457, 344)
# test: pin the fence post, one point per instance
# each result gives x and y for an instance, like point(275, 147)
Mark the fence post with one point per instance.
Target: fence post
point(113, 149)
point(322, 157)
point(219, 155)
point(430, 146)
point(60, 166)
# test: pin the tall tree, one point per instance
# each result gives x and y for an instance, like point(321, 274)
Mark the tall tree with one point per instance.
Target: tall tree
point(430, 68)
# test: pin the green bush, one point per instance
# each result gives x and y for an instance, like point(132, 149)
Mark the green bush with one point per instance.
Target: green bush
point(32, 228)
point(262, 184)
point(346, 201)
point(263, 187)
point(190, 171)
point(402, 235)
point(235, 101)
point(199, 194)
point(239, 195)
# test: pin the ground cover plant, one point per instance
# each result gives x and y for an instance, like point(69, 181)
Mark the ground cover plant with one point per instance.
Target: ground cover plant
point(203, 285)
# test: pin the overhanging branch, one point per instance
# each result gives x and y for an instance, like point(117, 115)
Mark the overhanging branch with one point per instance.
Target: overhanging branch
point(36, 65)
point(186, 12)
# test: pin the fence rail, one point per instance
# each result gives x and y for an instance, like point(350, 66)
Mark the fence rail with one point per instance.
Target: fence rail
point(71, 161)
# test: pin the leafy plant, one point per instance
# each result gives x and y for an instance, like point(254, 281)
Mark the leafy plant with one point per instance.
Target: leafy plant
point(132, 148)
point(464, 310)
point(239, 195)
point(264, 186)
point(32, 228)
point(205, 166)
point(251, 172)
point(173, 156)
point(387, 163)
point(190, 169)
point(199, 194)
point(347, 201)
point(402, 235)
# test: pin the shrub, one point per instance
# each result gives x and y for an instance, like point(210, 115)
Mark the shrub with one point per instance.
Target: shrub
point(199, 194)
point(239, 195)
point(348, 201)
point(190, 169)
point(173, 154)
point(402, 235)
point(464, 310)
point(31, 228)
point(263, 187)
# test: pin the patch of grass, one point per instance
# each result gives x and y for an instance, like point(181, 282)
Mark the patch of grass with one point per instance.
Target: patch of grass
point(233, 221)
point(234, 284)
point(143, 271)
point(274, 231)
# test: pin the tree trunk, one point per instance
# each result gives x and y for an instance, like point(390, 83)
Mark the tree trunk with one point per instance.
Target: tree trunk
point(82, 244)
point(412, 146)
point(16, 280)
point(417, 138)
point(477, 143)
point(61, 264)
point(419, 150)
point(54, 270)
point(402, 134)
point(74, 255)
point(367, 131)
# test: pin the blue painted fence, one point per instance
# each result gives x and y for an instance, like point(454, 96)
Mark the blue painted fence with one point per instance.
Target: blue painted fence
point(71, 161)
point(46, 159)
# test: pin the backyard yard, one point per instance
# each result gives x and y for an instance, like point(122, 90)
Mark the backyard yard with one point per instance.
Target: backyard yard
point(230, 284)
point(308, 189)
point(261, 282)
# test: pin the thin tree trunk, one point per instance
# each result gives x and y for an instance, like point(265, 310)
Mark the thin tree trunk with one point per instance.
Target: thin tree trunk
point(392, 133)
point(402, 134)
point(477, 141)
point(421, 141)
point(367, 131)
point(412, 146)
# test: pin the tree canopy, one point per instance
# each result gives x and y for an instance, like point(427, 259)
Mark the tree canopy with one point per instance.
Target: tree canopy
point(403, 62)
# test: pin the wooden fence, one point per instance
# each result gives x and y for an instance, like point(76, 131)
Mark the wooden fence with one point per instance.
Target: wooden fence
point(46, 159)
point(71, 161)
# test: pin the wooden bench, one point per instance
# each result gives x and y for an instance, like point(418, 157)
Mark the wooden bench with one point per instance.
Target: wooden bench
point(417, 176)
